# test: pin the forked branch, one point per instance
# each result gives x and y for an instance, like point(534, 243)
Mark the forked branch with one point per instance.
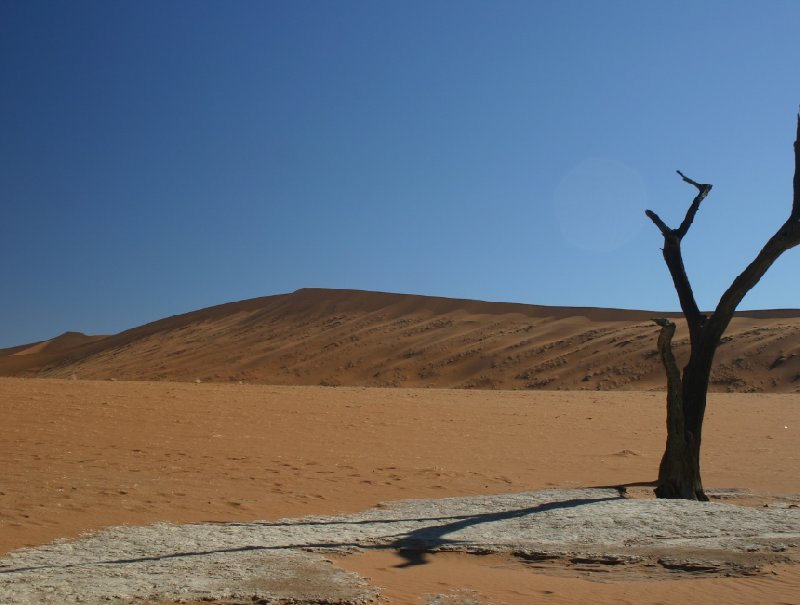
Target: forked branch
point(674, 258)
point(702, 191)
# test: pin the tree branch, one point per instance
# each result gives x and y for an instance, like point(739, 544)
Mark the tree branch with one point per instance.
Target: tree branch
point(785, 238)
point(796, 190)
point(662, 226)
point(703, 189)
point(674, 258)
point(690, 181)
point(675, 419)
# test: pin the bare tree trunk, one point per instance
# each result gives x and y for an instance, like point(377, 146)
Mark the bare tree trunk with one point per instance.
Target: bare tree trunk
point(679, 472)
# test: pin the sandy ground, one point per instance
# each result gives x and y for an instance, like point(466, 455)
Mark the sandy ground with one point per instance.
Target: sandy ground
point(82, 455)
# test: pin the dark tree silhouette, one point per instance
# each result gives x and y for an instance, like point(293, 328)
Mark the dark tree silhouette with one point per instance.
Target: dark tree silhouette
point(679, 472)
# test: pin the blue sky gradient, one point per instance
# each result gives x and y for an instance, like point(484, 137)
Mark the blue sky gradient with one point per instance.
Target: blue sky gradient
point(159, 157)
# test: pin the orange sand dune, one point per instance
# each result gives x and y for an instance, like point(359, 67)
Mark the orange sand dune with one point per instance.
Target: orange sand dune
point(355, 338)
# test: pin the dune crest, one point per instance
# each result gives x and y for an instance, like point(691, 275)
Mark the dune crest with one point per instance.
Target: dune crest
point(358, 338)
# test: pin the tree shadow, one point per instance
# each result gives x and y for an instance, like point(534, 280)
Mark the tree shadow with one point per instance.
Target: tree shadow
point(415, 545)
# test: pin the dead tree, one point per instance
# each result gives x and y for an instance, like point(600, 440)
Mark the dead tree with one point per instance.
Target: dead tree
point(679, 472)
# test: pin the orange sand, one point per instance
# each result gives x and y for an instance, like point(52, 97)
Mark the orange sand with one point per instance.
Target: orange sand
point(79, 455)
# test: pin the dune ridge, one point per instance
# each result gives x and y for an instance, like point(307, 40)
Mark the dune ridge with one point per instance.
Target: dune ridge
point(358, 338)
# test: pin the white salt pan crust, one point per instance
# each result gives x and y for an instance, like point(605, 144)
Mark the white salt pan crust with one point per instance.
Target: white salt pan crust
point(284, 560)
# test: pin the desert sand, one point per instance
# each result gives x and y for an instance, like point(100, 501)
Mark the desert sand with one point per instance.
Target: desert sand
point(83, 455)
point(355, 338)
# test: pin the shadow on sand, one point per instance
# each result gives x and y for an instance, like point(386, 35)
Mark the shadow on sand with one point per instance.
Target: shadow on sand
point(413, 546)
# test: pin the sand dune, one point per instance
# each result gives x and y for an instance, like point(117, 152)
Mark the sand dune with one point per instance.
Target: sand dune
point(82, 454)
point(355, 338)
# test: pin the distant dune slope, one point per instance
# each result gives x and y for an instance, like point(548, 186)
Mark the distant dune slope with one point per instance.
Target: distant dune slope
point(348, 337)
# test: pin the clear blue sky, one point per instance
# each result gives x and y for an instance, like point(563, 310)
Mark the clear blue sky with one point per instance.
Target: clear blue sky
point(159, 157)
